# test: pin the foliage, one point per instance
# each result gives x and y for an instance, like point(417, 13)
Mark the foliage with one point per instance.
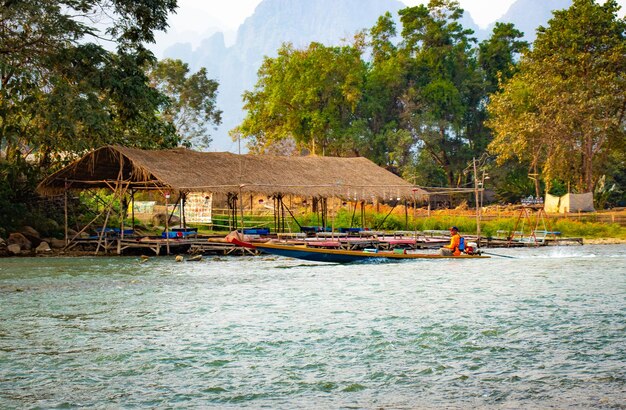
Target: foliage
point(440, 105)
point(497, 55)
point(62, 94)
point(568, 99)
point(588, 229)
point(423, 96)
point(18, 204)
point(512, 183)
point(307, 95)
point(191, 106)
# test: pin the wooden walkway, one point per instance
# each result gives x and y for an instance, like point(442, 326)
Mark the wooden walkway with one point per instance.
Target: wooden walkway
point(158, 246)
point(217, 245)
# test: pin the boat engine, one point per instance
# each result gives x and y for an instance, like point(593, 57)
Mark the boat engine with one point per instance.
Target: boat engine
point(471, 248)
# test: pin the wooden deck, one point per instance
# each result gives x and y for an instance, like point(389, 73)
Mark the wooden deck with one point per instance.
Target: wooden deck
point(217, 245)
point(158, 246)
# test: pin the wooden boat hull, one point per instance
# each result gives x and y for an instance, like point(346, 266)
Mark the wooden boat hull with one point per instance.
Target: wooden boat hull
point(338, 255)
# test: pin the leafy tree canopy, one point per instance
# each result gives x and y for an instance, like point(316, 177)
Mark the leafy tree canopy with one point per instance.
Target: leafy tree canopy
point(307, 95)
point(563, 112)
point(191, 109)
point(61, 92)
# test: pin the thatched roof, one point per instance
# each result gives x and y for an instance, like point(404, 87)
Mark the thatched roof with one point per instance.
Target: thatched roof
point(222, 172)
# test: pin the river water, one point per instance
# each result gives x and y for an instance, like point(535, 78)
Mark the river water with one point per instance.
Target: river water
point(545, 329)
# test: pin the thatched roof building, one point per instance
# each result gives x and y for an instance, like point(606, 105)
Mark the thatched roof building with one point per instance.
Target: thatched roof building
point(185, 170)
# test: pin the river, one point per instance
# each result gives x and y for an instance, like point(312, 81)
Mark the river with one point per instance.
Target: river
point(546, 328)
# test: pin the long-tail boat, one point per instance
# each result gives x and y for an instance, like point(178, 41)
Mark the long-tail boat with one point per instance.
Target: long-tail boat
point(338, 255)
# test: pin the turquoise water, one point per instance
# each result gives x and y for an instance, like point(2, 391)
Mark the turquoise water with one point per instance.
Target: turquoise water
point(545, 329)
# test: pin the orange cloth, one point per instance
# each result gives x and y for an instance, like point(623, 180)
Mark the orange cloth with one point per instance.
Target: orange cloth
point(455, 241)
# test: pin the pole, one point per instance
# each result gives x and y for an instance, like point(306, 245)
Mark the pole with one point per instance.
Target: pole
point(65, 209)
point(477, 204)
point(414, 221)
point(122, 215)
point(132, 207)
point(167, 226)
point(182, 212)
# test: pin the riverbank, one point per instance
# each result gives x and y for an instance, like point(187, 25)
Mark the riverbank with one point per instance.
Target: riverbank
point(605, 241)
point(60, 252)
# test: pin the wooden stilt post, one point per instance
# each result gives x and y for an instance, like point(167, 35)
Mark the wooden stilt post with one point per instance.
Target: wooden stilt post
point(65, 210)
point(282, 214)
point(132, 208)
point(167, 224)
point(183, 198)
point(406, 216)
point(363, 213)
point(122, 215)
point(243, 225)
point(477, 204)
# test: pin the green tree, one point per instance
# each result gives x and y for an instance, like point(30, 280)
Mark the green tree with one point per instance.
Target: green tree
point(307, 95)
point(498, 55)
point(383, 140)
point(61, 93)
point(445, 84)
point(563, 112)
point(191, 107)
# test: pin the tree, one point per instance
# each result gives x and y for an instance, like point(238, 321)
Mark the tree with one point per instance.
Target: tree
point(191, 107)
point(498, 54)
point(307, 95)
point(564, 110)
point(445, 84)
point(61, 93)
point(384, 142)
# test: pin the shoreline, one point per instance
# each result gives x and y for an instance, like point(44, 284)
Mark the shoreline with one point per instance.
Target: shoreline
point(604, 241)
point(78, 253)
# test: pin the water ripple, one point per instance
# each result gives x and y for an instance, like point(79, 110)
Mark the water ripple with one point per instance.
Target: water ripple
point(544, 330)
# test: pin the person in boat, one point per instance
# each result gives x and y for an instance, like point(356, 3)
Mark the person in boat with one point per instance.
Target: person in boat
point(455, 241)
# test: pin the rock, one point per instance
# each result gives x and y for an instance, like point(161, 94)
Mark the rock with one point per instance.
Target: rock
point(56, 243)
point(3, 248)
point(19, 239)
point(32, 235)
point(30, 231)
point(14, 249)
point(43, 248)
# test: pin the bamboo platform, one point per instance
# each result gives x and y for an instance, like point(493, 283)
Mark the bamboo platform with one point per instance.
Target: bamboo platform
point(158, 246)
point(217, 246)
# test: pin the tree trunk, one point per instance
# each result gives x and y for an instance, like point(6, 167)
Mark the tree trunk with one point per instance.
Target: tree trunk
point(588, 165)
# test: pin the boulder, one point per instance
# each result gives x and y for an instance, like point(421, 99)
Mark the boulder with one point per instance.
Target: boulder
point(30, 231)
point(32, 235)
point(43, 248)
point(21, 240)
point(14, 249)
point(56, 243)
point(3, 248)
